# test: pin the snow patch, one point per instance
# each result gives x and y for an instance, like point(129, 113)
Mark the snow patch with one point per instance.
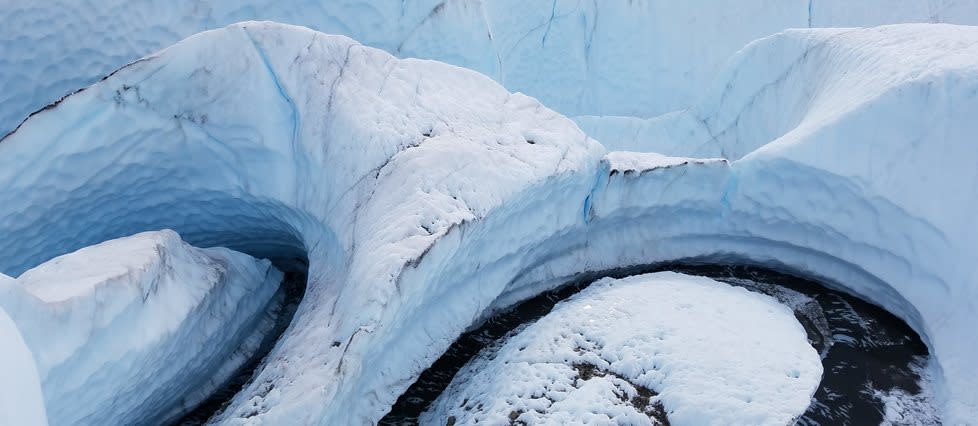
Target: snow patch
point(639, 349)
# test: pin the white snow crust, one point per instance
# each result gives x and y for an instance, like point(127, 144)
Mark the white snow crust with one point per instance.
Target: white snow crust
point(714, 353)
point(638, 58)
point(426, 196)
point(132, 329)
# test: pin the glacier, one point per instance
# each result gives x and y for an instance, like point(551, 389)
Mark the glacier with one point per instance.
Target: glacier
point(426, 196)
point(21, 402)
point(633, 59)
point(624, 351)
point(135, 328)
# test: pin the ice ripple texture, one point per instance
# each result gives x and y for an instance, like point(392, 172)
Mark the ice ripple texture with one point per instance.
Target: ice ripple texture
point(136, 328)
point(633, 59)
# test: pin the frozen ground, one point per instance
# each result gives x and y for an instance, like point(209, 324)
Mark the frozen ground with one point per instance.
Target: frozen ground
point(637, 58)
point(639, 350)
point(426, 196)
point(137, 328)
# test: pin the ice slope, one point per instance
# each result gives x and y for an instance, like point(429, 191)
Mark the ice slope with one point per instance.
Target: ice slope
point(137, 328)
point(426, 195)
point(637, 58)
point(21, 402)
point(854, 160)
point(796, 82)
point(632, 350)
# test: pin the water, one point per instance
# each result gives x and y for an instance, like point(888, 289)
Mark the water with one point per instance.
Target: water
point(865, 350)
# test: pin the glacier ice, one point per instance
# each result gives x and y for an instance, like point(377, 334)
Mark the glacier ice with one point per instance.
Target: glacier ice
point(305, 143)
point(639, 58)
point(21, 402)
point(625, 350)
point(134, 328)
point(426, 196)
point(859, 179)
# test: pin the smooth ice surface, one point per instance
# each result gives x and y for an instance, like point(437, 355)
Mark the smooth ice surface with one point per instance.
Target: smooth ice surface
point(425, 196)
point(21, 402)
point(635, 58)
point(714, 354)
point(131, 329)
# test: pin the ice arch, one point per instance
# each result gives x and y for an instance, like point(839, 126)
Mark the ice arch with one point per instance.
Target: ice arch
point(424, 194)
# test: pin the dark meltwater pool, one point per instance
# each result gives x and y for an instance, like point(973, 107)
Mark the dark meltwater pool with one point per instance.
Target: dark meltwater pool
point(867, 353)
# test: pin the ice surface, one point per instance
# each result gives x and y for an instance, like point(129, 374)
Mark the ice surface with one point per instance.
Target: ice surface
point(426, 196)
point(581, 58)
point(21, 402)
point(712, 353)
point(129, 329)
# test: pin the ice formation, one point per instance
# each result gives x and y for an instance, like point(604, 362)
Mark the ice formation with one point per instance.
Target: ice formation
point(636, 58)
point(137, 328)
point(425, 196)
point(863, 180)
point(21, 402)
point(629, 351)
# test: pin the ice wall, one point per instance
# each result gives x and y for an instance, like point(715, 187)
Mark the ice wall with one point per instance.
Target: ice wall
point(636, 58)
point(21, 402)
point(136, 328)
point(852, 159)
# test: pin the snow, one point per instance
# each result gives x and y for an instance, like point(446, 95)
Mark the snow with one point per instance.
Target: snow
point(580, 58)
point(131, 328)
point(713, 353)
point(426, 196)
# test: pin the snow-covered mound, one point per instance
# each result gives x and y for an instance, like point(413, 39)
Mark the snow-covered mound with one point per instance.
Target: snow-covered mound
point(633, 350)
point(638, 58)
point(425, 196)
point(137, 328)
point(21, 402)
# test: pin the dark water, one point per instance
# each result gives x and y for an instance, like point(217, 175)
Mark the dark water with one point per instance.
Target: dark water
point(282, 308)
point(864, 348)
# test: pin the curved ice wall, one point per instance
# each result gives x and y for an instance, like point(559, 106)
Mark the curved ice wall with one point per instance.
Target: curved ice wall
point(426, 195)
point(636, 58)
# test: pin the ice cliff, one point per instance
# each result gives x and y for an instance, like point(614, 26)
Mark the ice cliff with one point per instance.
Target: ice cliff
point(21, 402)
point(425, 195)
point(635, 58)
